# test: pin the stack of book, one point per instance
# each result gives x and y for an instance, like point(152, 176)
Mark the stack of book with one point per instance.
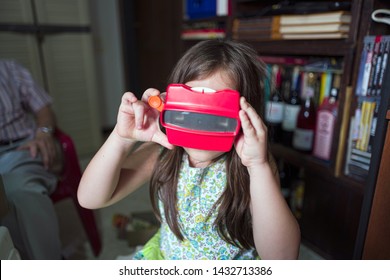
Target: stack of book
point(203, 30)
point(373, 64)
point(256, 29)
point(328, 25)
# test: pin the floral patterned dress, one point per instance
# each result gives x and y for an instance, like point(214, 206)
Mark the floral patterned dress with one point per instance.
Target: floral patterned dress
point(198, 190)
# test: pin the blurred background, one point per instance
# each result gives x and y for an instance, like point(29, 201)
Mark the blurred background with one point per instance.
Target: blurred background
point(86, 54)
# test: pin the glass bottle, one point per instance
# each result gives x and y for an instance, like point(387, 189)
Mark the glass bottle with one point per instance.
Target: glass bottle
point(326, 119)
point(306, 121)
point(275, 107)
point(292, 107)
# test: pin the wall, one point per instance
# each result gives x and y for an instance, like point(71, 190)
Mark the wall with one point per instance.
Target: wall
point(108, 49)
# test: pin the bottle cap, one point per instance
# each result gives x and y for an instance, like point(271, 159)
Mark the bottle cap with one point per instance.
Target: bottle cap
point(156, 102)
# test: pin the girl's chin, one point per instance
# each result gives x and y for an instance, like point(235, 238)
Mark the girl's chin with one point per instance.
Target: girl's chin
point(202, 155)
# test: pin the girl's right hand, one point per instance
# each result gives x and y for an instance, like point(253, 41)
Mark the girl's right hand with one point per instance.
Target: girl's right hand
point(138, 121)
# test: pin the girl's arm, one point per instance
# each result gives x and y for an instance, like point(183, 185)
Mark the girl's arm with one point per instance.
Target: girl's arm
point(114, 172)
point(275, 229)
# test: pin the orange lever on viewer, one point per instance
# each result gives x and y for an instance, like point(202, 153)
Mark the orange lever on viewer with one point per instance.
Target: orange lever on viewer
point(156, 102)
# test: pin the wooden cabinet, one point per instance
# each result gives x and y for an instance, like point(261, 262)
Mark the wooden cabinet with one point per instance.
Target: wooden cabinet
point(332, 210)
point(377, 241)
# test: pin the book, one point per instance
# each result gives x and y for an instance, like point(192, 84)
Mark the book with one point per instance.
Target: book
point(343, 131)
point(310, 36)
point(369, 42)
point(356, 161)
point(317, 18)
point(260, 28)
point(284, 60)
point(363, 58)
point(386, 50)
point(223, 8)
point(372, 78)
point(195, 9)
point(315, 28)
point(325, 85)
point(201, 34)
point(203, 30)
point(240, 24)
point(373, 64)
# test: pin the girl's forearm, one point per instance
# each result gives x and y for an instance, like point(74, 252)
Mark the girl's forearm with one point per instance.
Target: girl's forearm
point(101, 177)
point(275, 229)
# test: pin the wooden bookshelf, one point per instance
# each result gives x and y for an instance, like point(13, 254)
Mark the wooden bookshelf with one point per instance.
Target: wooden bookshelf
point(333, 201)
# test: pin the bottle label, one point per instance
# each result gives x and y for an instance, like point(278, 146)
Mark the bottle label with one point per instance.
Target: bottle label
point(290, 117)
point(324, 134)
point(274, 112)
point(303, 139)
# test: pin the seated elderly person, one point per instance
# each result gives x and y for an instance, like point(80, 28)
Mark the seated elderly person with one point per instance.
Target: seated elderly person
point(27, 154)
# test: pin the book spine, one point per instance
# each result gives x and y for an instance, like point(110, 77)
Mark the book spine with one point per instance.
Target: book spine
point(264, 28)
point(367, 65)
point(362, 64)
point(325, 84)
point(343, 132)
point(386, 47)
point(374, 64)
point(378, 68)
point(223, 7)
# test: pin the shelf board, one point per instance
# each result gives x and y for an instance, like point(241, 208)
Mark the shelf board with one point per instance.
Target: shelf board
point(336, 47)
point(298, 158)
point(313, 164)
point(206, 19)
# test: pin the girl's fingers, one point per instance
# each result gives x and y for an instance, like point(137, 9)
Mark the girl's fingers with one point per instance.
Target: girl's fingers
point(252, 117)
point(128, 99)
point(148, 93)
point(139, 113)
point(162, 139)
point(137, 108)
point(246, 125)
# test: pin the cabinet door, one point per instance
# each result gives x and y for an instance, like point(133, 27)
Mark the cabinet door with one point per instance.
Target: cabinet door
point(377, 245)
point(24, 49)
point(16, 11)
point(64, 61)
point(63, 12)
point(70, 71)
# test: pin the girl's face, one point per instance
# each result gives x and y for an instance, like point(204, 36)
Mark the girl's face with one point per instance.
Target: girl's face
point(217, 81)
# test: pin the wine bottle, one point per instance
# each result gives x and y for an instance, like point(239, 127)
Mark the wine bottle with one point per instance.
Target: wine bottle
point(292, 107)
point(326, 119)
point(306, 121)
point(275, 107)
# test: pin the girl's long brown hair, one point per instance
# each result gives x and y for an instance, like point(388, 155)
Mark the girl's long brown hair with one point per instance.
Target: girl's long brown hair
point(240, 63)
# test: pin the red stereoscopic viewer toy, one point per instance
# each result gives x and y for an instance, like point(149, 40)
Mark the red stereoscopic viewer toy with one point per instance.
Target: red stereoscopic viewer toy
point(199, 119)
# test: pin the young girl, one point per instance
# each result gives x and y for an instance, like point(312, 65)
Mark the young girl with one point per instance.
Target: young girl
point(212, 205)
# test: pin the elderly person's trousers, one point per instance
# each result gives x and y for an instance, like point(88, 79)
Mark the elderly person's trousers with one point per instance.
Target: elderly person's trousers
point(31, 218)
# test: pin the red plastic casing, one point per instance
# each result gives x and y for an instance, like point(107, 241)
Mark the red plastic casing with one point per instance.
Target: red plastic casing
point(224, 103)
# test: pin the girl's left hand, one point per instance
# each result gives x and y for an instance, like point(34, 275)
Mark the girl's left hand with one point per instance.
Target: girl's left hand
point(251, 145)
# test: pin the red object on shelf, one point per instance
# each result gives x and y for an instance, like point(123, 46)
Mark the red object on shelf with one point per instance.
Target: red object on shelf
point(306, 122)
